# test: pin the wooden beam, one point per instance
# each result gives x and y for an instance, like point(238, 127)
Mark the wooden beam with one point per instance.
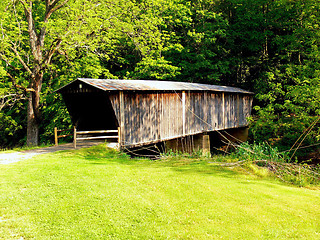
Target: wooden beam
point(238, 110)
point(223, 111)
point(183, 112)
point(121, 98)
point(97, 131)
point(99, 137)
point(66, 135)
point(64, 130)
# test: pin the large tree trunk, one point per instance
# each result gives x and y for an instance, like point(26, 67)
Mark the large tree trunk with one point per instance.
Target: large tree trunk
point(33, 113)
point(32, 124)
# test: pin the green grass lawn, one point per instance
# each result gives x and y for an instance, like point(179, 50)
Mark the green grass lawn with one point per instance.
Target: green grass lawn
point(101, 194)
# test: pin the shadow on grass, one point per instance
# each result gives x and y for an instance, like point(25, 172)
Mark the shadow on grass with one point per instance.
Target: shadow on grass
point(102, 156)
point(99, 155)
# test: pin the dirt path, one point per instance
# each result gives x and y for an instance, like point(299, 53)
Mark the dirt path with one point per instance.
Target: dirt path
point(7, 158)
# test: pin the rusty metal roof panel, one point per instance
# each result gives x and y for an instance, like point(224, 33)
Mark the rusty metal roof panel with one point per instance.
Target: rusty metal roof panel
point(152, 85)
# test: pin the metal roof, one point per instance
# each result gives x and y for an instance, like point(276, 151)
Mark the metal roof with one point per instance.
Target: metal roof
point(151, 85)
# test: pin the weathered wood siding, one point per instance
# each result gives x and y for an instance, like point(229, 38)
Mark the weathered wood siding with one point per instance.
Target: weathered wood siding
point(146, 117)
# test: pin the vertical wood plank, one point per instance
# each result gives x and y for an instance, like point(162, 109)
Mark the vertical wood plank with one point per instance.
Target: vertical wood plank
point(205, 111)
point(119, 136)
point(188, 113)
point(114, 99)
point(223, 111)
point(161, 115)
point(238, 111)
point(212, 111)
point(184, 112)
point(158, 105)
point(121, 100)
point(130, 114)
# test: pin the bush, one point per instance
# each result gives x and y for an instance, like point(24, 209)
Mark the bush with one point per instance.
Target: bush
point(266, 156)
point(260, 152)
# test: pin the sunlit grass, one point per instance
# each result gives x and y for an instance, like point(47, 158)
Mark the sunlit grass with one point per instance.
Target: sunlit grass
point(101, 194)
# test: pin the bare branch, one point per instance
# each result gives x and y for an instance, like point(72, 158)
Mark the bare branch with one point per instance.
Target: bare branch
point(14, 82)
point(21, 61)
point(7, 7)
point(16, 17)
point(31, 28)
point(54, 47)
point(52, 7)
point(10, 99)
point(3, 57)
point(47, 4)
point(24, 3)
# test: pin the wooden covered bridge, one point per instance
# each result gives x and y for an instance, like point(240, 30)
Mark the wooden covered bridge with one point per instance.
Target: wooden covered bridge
point(144, 112)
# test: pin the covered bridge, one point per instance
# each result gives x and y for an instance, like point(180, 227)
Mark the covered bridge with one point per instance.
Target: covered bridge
point(147, 111)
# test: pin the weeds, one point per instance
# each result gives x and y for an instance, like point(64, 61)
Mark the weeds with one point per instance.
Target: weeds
point(195, 154)
point(261, 160)
point(261, 151)
point(263, 155)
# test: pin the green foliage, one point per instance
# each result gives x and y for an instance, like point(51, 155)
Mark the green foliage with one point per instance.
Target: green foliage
point(280, 164)
point(158, 69)
point(260, 152)
point(274, 52)
point(54, 114)
point(10, 128)
point(196, 42)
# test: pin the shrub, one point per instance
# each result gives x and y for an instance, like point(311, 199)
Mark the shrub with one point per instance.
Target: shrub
point(279, 163)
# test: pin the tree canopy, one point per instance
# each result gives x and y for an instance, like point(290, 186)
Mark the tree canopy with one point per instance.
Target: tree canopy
point(268, 47)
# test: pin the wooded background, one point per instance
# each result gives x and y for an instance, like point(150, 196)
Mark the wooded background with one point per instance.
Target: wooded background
point(270, 47)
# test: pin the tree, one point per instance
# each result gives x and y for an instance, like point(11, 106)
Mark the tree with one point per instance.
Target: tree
point(25, 46)
point(196, 35)
point(33, 32)
point(274, 48)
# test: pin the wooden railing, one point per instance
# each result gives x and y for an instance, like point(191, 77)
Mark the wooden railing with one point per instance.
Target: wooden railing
point(86, 135)
point(93, 132)
point(56, 136)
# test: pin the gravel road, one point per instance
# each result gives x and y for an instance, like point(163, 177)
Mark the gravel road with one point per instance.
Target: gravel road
point(8, 158)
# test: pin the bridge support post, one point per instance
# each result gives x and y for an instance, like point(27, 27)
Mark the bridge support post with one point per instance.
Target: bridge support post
point(206, 144)
point(190, 144)
point(202, 143)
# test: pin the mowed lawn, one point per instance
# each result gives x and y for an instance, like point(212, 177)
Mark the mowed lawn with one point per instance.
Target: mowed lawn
point(101, 194)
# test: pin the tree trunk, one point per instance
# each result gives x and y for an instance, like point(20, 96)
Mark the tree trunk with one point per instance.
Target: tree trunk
point(33, 113)
point(32, 124)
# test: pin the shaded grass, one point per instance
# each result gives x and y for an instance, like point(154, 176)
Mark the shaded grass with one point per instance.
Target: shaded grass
point(101, 194)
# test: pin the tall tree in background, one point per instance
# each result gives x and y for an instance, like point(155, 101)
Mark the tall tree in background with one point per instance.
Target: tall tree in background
point(28, 43)
point(274, 51)
point(196, 35)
